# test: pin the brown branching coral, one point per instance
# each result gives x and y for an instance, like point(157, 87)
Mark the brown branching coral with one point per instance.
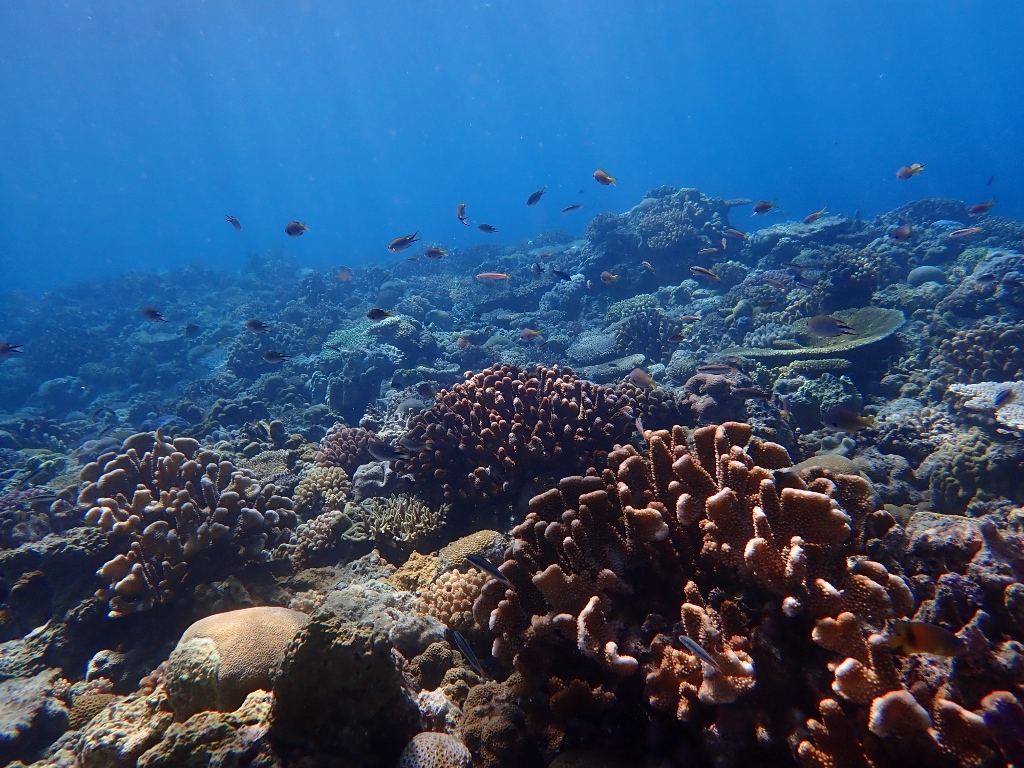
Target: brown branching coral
point(401, 520)
point(179, 508)
point(344, 447)
point(501, 426)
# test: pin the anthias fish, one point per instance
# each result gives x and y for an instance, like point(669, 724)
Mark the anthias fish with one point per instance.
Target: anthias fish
point(608, 278)
point(922, 637)
point(488, 228)
point(846, 419)
point(153, 315)
point(7, 349)
point(762, 207)
point(980, 209)
point(701, 272)
point(256, 326)
point(274, 357)
point(460, 211)
point(399, 244)
point(603, 178)
point(647, 265)
point(690, 318)
point(675, 338)
point(906, 171)
point(536, 196)
point(295, 228)
point(377, 313)
point(573, 207)
point(485, 565)
point(965, 232)
point(813, 217)
point(233, 222)
point(492, 276)
point(775, 283)
point(828, 326)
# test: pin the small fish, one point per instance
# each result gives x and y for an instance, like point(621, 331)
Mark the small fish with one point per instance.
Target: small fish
point(413, 446)
point(828, 326)
point(344, 275)
point(102, 411)
point(706, 251)
point(381, 451)
point(639, 424)
point(793, 265)
point(735, 234)
point(603, 178)
point(536, 196)
point(463, 343)
point(725, 243)
point(589, 285)
point(675, 338)
point(489, 568)
point(765, 303)
point(543, 344)
point(965, 232)
point(537, 268)
point(775, 283)
point(749, 392)
point(813, 217)
point(717, 369)
point(399, 244)
point(295, 228)
point(846, 419)
point(902, 233)
point(153, 315)
point(763, 207)
point(701, 272)
point(426, 389)
point(377, 313)
point(608, 278)
point(234, 222)
point(528, 334)
point(274, 357)
point(991, 180)
point(1005, 396)
point(492, 276)
point(647, 265)
point(460, 211)
point(467, 653)
point(700, 652)
point(980, 209)
point(191, 329)
point(256, 326)
point(638, 377)
point(690, 318)
point(435, 253)
point(413, 258)
point(921, 637)
point(546, 255)
point(906, 171)
point(573, 207)
point(6, 350)
point(560, 274)
point(487, 228)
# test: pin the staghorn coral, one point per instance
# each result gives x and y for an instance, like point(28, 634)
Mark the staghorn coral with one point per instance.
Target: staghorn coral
point(176, 506)
point(493, 432)
point(321, 489)
point(450, 598)
point(344, 447)
point(401, 520)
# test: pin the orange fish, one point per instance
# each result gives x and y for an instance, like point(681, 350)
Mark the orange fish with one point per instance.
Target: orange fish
point(701, 272)
point(460, 211)
point(153, 315)
point(906, 171)
point(763, 207)
point(546, 256)
point(344, 275)
point(735, 234)
point(528, 334)
point(921, 637)
point(813, 217)
point(492, 276)
point(706, 251)
point(966, 232)
point(638, 377)
point(608, 278)
point(603, 178)
point(981, 208)
point(647, 265)
point(295, 228)
point(399, 244)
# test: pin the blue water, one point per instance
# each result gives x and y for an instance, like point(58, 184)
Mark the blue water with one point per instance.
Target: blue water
point(131, 128)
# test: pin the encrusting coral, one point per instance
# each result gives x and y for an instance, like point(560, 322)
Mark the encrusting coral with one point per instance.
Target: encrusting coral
point(175, 505)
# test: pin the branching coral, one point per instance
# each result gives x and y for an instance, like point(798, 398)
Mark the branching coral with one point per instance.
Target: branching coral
point(402, 520)
point(321, 488)
point(175, 505)
point(344, 447)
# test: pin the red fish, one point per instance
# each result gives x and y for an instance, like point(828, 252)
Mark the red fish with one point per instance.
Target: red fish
point(813, 217)
point(701, 272)
point(980, 209)
point(344, 275)
point(735, 234)
point(763, 207)
point(492, 276)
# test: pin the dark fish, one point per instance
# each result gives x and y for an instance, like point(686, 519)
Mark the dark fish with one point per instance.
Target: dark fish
point(536, 268)
point(717, 370)
point(274, 357)
point(103, 411)
point(467, 653)
point(638, 377)
point(153, 315)
point(191, 329)
point(603, 178)
point(6, 350)
point(234, 222)
point(399, 244)
point(980, 209)
point(906, 171)
point(690, 318)
point(902, 233)
point(813, 217)
point(381, 451)
point(750, 392)
point(676, 338)
point(608, 278)
point(295, 228)
point(828, 326)
point(763, 207)
point(435, 253)
point(560, 274)
point(701, 272)
point(487, 228)
point(793, 265)
point(573, 207)
point(489, 568)
point(921, 637)
point(460, 211)
point(700, 652)
point(256, 326)
point(846, 419)
point(426, 389)
point(413, 446)
point(536, 196)
point(735, 234)
point(377, 313)
point(991, 180)
point(1004, 397)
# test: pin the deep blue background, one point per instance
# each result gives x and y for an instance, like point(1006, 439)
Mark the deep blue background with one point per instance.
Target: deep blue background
point(128, 129)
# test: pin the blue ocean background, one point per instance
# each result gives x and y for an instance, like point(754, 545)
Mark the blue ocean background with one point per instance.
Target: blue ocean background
point(131, 128)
